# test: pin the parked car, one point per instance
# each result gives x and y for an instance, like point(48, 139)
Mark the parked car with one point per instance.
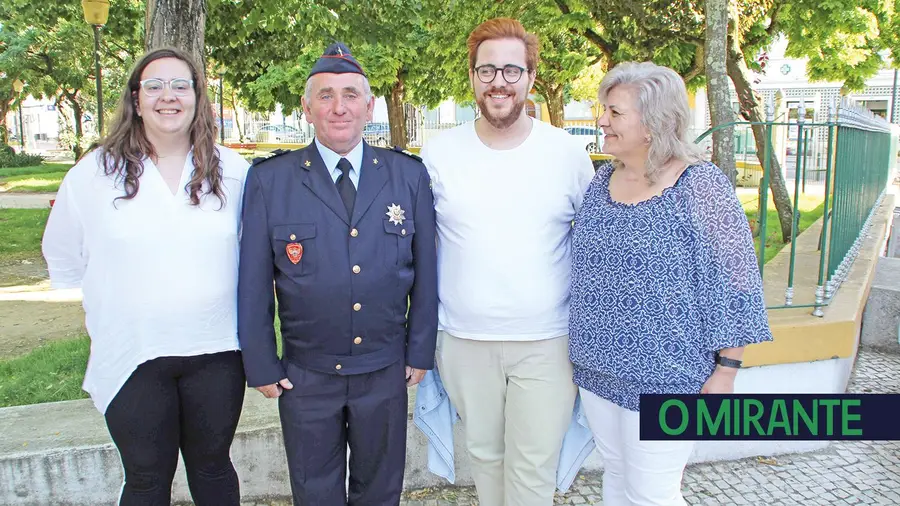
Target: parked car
point(592, 138)
point(279, 133)
point(377, 134)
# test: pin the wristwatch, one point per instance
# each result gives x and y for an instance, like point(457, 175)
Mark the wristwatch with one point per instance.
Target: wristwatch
point(727, 362)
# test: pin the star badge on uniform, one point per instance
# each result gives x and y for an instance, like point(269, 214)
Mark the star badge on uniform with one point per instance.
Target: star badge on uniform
point(307, 163)
point(375, 161)
point(395, 214)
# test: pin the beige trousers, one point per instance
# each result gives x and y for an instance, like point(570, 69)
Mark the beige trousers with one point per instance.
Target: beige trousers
point(515, 399)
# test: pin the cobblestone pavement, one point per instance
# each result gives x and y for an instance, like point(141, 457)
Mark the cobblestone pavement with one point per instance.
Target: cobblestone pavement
point(855, 472)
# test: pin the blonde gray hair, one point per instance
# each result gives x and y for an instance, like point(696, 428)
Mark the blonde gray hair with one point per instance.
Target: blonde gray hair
point(662, 102)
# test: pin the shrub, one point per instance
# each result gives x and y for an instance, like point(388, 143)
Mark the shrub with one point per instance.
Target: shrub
point(13, 159)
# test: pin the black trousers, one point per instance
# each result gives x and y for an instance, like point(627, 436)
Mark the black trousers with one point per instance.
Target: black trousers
point(323, 414)
point(172, 403)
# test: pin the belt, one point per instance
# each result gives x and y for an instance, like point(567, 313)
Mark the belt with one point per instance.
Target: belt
point(346, 365)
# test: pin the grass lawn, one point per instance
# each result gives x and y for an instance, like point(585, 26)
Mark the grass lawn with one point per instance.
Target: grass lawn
point(20, 233)
point(53, 372)
point(43, 168)
point(811, 208)
point(42, 178)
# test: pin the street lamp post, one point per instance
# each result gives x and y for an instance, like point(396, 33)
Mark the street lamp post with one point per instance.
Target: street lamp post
point(96, 12)
point(17, 86)
point(893, 99)
point(221, 72)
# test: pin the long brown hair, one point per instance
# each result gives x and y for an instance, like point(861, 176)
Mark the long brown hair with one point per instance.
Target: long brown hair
point(123, 150)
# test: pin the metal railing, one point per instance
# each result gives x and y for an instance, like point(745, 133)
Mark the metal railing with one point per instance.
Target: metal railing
point(862, 167)
point(850, 155)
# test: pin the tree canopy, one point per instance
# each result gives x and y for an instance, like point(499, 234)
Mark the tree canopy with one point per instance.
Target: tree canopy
point(49, 47)
point(414, 50)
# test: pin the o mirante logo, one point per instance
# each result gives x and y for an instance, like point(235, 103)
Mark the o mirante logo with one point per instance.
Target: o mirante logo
point(770, 416)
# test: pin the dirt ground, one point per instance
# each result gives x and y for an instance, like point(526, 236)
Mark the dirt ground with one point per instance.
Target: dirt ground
point(31, 314)
point(20, 273)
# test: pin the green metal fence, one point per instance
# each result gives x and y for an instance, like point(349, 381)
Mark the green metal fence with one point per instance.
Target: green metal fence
point(851, 156)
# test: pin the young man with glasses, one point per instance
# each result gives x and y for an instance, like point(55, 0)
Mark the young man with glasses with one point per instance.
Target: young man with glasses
point(506, 190)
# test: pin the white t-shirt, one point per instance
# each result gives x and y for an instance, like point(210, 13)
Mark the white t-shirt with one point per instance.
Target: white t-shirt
point(504, 220)
point(159, 275)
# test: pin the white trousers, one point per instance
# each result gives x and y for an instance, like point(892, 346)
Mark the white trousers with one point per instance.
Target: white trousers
point(635, 472)
point(515, 399)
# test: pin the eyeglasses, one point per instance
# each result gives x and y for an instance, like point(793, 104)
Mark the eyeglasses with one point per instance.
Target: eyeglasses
point(511, 73)
point(179, 86)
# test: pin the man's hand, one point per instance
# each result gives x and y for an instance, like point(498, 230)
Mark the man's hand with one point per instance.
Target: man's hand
point(414, 376)
point(274, 390)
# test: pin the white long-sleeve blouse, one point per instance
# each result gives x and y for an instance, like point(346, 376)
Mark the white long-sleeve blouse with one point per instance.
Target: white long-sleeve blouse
point(158, 275)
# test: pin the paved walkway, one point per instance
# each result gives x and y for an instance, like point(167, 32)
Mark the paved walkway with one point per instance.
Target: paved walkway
point(859, 472)
point(26, 200)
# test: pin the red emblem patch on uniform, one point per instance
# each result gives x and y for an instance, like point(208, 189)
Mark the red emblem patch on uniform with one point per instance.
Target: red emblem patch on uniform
point(294, 252)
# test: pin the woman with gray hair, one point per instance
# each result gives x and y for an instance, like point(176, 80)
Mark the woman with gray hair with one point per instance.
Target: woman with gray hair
point(665, 287)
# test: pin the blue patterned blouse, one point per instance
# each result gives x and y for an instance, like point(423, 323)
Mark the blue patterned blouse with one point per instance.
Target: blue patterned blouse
point(659, 286)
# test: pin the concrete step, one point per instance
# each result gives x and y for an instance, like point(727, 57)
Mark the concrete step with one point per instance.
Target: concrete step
point(881, 317)
point(61, 453)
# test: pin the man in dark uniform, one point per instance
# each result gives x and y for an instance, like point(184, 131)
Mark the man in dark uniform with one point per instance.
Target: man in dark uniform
point(347, 233)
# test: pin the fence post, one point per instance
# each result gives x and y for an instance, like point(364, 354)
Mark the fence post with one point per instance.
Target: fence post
point(823, 291)
point(795, 216)
point(764, 191)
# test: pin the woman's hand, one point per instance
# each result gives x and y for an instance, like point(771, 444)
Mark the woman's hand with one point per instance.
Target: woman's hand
point(721, 381)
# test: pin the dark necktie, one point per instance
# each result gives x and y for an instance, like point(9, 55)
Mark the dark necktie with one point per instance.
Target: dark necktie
point(345, 186)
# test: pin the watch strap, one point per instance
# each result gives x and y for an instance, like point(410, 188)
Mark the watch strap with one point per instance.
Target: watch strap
point(728, 362)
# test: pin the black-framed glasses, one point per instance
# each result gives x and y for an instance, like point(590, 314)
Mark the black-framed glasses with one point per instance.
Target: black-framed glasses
point(179, 86)
point(511, 73)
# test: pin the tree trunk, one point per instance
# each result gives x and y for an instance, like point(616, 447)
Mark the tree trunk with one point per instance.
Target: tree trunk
point(718, 91)
point(77, 112)
point(752, 107)
point(396, 118)
point(555, 105)
point(177, 23)
point(234, 116)
point(4, 132)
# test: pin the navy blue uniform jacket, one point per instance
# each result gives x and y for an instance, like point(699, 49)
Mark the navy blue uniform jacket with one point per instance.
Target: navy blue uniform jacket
point(363, 294)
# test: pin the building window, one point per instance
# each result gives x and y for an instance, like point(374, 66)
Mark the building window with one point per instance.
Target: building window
point(878, 107)
point(433, 116)
point(464, 114)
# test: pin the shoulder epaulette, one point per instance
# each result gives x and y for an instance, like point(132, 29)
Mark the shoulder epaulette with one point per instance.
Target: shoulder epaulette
point(273, 154)
point(410, 154)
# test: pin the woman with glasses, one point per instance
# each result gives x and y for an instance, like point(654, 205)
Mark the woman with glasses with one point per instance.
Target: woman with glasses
point(147, 226)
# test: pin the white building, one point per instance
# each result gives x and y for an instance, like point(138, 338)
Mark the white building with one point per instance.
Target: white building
point(788, 76)
point(40, 125)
